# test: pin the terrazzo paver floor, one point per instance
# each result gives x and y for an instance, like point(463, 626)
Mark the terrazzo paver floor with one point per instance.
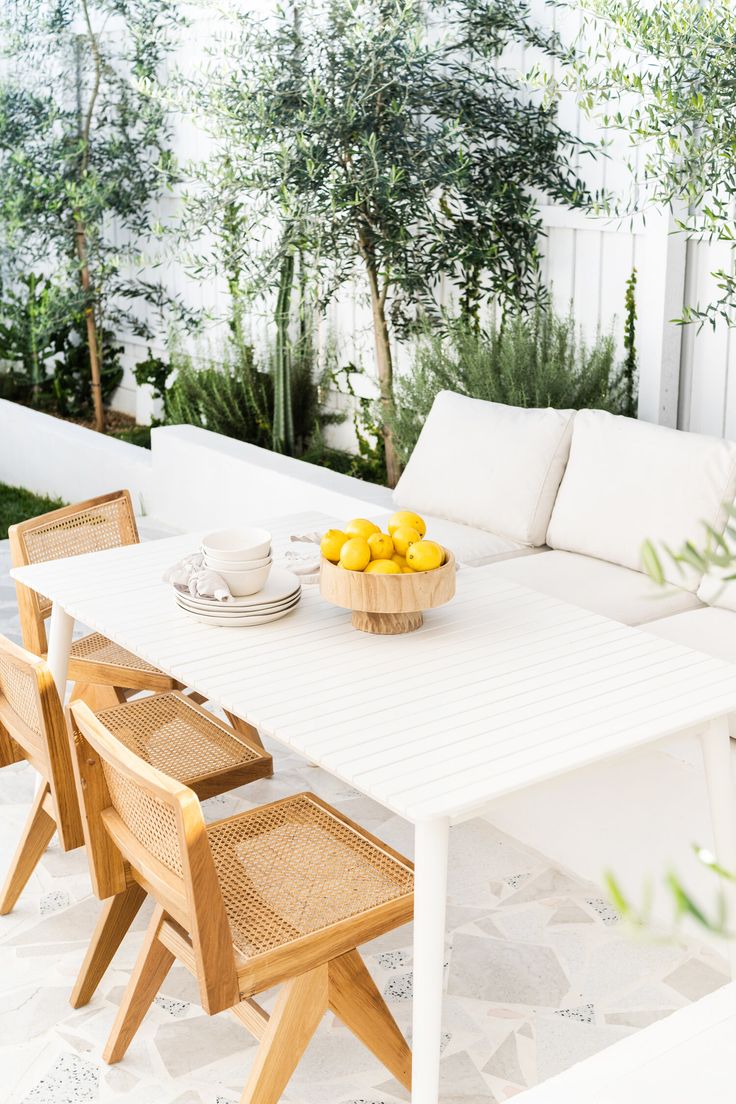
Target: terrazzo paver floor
point(539, 974)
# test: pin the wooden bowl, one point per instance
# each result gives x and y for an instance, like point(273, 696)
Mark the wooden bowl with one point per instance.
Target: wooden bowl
point(387, 604)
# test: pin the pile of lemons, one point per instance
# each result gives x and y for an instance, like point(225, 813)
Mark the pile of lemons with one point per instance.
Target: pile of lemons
point(361, 546)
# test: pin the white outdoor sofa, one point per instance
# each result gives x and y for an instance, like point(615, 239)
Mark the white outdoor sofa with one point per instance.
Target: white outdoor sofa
point(562, 501)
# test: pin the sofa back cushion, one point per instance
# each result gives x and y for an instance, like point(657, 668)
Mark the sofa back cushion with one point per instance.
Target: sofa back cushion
point(628, 481)
point(491, 466)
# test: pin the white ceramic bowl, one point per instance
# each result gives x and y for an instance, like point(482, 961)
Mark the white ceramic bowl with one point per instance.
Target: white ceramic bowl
point(234, 565)
point(237, 544)
point(246, 582)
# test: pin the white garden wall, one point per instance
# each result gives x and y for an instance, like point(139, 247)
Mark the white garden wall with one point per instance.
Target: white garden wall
point(191, 478)
point(202, 479)
point(66, 461)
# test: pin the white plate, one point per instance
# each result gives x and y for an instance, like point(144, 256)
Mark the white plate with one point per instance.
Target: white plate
point(239, 622)
point(228, 614)
point(280, 585)
point(211, 605)
point(200, 605)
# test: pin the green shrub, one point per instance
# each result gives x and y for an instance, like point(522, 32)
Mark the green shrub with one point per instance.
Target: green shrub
point(231, 394)
point(528, 360)
point(231, 397)
point(68, 391)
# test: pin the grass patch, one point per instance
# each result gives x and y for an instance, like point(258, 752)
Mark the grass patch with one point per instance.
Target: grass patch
point(17, 504)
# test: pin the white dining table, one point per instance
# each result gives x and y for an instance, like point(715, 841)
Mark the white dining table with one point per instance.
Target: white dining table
point(501, 689)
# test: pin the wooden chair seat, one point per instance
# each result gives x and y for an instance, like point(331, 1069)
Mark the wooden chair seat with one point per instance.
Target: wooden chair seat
point(95, 659)
point(291, 873)
point(179, 738)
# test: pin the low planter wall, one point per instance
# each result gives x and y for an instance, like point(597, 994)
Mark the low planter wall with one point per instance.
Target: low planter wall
point(190, 479)
point(203, 479)
point(67, 461)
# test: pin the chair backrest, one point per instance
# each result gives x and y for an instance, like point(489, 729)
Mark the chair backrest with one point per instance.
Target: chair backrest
point(32, 727)
point(138, 819)
point(91, 526)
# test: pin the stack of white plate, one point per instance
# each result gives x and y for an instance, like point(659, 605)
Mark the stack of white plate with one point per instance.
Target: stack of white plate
point(278, 597)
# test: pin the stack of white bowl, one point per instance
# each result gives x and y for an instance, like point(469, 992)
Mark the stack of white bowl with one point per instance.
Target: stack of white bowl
point(242, 557)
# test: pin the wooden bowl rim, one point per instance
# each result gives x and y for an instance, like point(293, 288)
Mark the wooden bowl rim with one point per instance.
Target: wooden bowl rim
point(352, 589)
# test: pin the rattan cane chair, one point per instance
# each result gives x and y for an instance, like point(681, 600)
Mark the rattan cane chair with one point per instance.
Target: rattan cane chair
point(32, 728)
point(280, 895)
point(101, 670)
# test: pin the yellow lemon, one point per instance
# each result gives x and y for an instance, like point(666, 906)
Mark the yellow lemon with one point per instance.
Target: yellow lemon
point(400, 560)
point(359, 527)
point(403, 537)
point(355, 554)
point(406, 517)
point(407, 570)
point(425, 555)
point(383, 567)
point(381, 546)
point(331, 543)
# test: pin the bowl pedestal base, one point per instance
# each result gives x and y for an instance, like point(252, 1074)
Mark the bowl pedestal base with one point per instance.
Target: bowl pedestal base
point(387, 624)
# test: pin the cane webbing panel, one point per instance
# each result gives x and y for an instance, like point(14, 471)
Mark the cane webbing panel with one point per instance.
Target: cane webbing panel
point(93, 529)
point(98, 649)
point(19, 690)
point(172, 736)
point(293, 869)
point(151, 821)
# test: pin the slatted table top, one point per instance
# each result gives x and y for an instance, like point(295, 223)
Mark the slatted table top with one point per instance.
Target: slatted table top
point(500, 689)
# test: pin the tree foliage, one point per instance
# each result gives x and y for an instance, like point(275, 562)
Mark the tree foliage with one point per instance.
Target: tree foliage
point(664, 75)
point(84, 153)
point(385, 139)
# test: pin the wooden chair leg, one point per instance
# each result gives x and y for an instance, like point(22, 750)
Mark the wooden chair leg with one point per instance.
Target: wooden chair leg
point(118, 913)
point(37, 835)
point(355, 1000)
point(97, 696)
point(154, 963)
point(300, 1006)
point(244, 729)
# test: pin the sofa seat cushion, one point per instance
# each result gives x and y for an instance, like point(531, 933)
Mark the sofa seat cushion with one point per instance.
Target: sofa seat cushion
point(488, 465)
point(708, 630)
point(469, 546)
point(605, 588)
point(627, 481)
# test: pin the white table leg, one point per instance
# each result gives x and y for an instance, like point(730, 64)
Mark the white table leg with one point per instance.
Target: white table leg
point(716, 745)
point(430, 894)
point(61, 629)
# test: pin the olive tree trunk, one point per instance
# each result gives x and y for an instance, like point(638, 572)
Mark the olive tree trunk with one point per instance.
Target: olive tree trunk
point(384, 366)
point(91, 326)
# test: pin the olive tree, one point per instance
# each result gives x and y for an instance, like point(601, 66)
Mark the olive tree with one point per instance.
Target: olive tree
point(84, 152)
point(384, 139)
point(663, 76)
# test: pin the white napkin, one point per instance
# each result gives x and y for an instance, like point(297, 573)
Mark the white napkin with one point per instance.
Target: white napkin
point(200, 581)
point(303, 561)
